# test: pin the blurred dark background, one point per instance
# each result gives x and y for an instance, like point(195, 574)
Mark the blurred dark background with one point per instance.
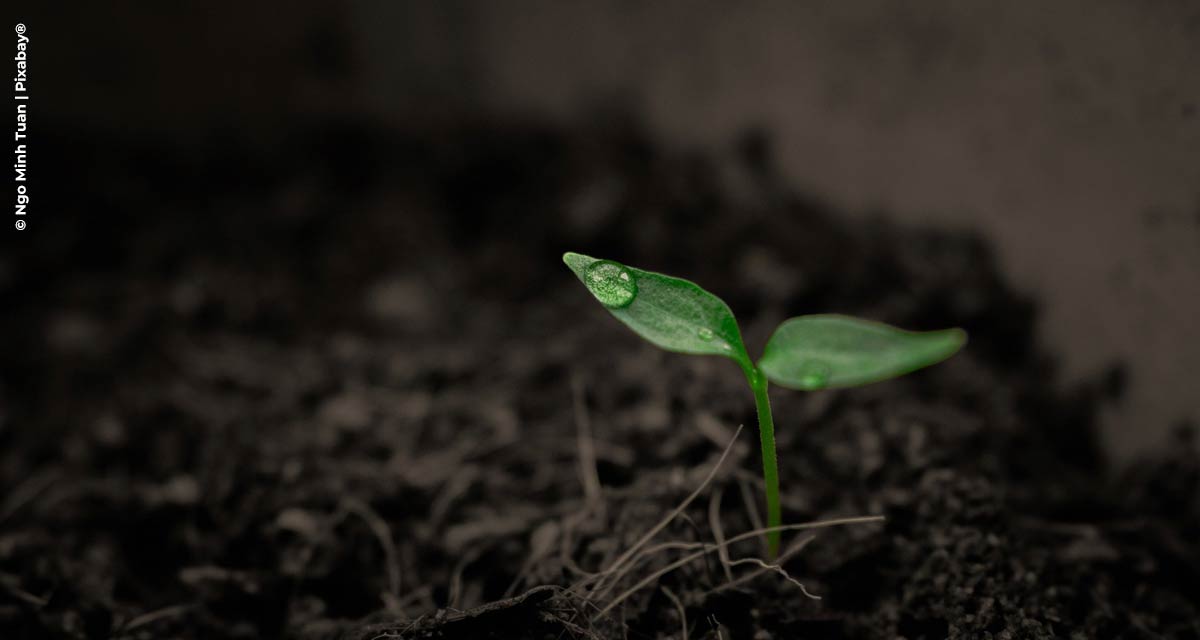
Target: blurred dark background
point(290, 349)
point(1067, 135)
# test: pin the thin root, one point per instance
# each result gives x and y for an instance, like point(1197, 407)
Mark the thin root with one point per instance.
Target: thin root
point(777, 569)
point(711, 548)
point(683, 626)
point(792, 549)
point(714, 523)
point(629, 553)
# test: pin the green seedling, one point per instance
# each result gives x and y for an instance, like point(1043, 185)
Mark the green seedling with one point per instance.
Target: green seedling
point(807, 353)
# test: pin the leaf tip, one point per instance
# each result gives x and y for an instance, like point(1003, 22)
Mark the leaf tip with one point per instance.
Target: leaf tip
point(577, 262)
point(944, 343)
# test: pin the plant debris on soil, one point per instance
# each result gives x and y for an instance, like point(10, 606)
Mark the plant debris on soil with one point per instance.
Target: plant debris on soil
point(343, 388)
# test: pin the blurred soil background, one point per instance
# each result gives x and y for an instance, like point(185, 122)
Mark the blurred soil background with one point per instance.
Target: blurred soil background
point(1068, 135)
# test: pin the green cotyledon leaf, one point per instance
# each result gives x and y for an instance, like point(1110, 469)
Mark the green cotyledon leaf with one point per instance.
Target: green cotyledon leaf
point(671, 313)
point(829, 350)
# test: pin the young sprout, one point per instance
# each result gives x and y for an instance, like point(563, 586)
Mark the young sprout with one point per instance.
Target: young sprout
point(805, 353)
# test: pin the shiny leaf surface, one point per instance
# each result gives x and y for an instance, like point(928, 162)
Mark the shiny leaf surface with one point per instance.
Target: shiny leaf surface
point(671, 313)
point(828, 350)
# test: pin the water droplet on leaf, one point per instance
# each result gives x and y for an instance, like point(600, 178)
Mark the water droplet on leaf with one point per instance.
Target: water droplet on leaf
point(612, 284)
point(705, 334)
point(814, 374)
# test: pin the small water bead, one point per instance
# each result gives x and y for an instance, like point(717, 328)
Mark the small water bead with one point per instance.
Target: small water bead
point(705, 334)
point(612, 284)
point(814, 374)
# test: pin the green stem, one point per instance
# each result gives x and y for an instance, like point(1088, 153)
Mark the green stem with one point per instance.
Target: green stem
point(766, 435)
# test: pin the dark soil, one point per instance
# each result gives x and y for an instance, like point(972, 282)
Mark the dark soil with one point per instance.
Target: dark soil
point(336, 389)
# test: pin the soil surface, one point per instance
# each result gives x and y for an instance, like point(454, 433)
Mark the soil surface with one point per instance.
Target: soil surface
point(345, 388)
